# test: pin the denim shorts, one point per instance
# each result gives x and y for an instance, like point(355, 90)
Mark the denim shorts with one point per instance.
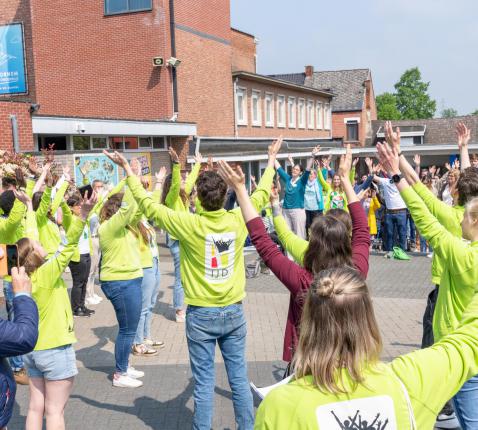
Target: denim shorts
point(52, 364)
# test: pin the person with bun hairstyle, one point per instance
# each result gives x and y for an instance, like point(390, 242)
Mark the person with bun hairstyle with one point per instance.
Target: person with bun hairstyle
point(329, 246)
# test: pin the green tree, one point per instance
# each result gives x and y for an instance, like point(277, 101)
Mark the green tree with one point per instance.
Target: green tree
point(413, 100)
point(449, 113)
point(475, 112)
point(387, 107)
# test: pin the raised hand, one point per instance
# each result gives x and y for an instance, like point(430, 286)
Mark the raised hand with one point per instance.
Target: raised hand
point(161, 174)
point(87, 205)
point(117, 158)
point(274, 148)
point(23, 197)
point(355, 162)
point(210, 163)
point(463, 134)
point(369, 164)
point(33, 166)
point(20, 281)
point(198, 158)
point(417, 159)
point(447, 166)
point(345, 162)
point(66, 172)
point(136, 166)
point(315, 151)
point(432, 170)
point(392, 137)
point(173, 155)
point(389, 158)
point(234, 178)
point(291, 160)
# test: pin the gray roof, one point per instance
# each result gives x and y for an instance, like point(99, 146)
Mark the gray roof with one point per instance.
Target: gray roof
point(348, 86)
point(439, 131)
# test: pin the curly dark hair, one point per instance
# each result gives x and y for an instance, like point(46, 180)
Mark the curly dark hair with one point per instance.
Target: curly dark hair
point(467, 185)
point(211, 190)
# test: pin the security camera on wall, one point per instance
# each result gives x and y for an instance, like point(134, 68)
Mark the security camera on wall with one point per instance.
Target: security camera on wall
point(173, 62)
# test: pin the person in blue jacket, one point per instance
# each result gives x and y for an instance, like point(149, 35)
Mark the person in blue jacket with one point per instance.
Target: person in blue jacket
point(17, 337)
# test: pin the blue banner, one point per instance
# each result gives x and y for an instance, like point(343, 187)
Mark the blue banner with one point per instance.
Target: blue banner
point(12, 61)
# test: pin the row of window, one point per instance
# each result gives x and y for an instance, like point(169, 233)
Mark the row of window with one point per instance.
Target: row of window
point(123, 6)
point(87, 143)
point(301, 113)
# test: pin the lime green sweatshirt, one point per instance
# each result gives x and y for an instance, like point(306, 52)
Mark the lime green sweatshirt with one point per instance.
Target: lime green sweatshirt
point(173, 199)
point(449, 217)
point(293, 244)
point(120, 258)
point(431, 376)
point(48, 231)
point(332, 199)
point(460, 265)
point(51, 295)
point(211, 245)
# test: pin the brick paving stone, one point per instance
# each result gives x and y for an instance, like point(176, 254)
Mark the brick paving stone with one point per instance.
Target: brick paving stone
point(165, 401)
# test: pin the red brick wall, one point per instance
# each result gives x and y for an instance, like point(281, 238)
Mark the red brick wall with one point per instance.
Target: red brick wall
point(92, 65)
point(24, 121)
point(204, 76)
point(255, 131)
point(18, 11)
point(339, 129)
point(243, 52)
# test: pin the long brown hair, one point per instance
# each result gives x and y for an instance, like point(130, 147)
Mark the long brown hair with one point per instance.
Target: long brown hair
point(28, 257)
point(167, 186)
point(113, 205)
point(338, 330)
point(329, 245)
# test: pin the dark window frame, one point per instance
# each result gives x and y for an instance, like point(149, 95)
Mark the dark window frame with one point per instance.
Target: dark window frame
point(128, 10)
point(352, 125)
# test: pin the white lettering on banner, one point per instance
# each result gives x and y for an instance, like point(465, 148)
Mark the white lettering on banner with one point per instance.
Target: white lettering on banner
point(219, 256)
point(371, 413)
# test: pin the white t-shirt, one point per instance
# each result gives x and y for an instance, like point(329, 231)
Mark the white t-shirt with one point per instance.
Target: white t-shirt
point(84, 242)
point(392, 197)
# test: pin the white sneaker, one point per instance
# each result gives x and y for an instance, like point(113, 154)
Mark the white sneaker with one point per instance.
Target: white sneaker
point(133, 373)
point(445, 421)
point(126, 381)
point(97, 298)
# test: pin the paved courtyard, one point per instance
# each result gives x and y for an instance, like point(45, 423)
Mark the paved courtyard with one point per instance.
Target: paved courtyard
point(399, 289)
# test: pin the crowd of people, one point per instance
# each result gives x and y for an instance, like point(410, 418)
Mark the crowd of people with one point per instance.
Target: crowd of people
point(325, 222)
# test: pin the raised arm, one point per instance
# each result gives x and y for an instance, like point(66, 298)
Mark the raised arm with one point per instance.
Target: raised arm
point(323, 182)
point(44, 206)
point(193, 176)
point(464, 136)
point(12, 222)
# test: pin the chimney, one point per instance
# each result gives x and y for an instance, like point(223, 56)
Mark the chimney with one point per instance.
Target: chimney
point(309, 71)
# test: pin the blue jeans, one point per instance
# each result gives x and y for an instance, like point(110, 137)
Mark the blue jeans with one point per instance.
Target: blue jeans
point(125, 296)
point(178, 292)
point(412, 228)
point(398, 220)
point(149, 291)
point(227, 327)
point(16, 363)
point(423, 245)
point(466, 404)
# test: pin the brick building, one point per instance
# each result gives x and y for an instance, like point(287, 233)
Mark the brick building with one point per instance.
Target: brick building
point(91, 84)
point(353, 106)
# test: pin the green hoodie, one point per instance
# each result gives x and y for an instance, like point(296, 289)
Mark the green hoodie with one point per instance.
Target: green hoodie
point(460, 265)
point(430, 376)
point(449, 217)
point(51, 295)
point(293, 244)
point(173, 200)
point(211, 245)
point(120, 257)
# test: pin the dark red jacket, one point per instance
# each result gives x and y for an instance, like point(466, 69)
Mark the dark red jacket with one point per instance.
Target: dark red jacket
point(296, 278)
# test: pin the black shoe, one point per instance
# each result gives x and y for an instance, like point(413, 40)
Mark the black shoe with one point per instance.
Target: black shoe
point(88, 311)
point(80, 313)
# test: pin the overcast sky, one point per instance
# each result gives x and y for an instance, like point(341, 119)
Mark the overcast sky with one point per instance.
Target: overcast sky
point(387, 36)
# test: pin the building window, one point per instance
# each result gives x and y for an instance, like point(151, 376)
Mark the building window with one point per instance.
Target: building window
point(123, 142)
point(144, 142)
point(99, 143)
point(281, 111)
point(160, 143)
point(123, 6)
point(256, 108)
point(310, 114)
point(241, 106)
point(301, 113)
point(269, 106)
point(352, 131)
point(327, 116)
point(320, 116)
point(81, 143)
point(291, 109)
point(57, 142)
